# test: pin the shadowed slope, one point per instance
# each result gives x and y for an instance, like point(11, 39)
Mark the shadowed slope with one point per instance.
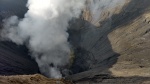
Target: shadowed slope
point(14, 59)
point(118, 47)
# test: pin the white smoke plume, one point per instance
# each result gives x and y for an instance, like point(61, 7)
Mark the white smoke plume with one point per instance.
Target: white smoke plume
point(98, 6)
point(43, 30)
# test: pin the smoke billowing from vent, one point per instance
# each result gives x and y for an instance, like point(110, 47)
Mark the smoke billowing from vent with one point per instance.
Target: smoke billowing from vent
point(43, 30)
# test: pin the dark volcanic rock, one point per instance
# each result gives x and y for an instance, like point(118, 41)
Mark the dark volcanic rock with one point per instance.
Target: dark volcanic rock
point(118, 46)
point(14, 59)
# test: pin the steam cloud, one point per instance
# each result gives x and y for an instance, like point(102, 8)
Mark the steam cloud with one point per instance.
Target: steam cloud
point(98, 6)
point(43, 30)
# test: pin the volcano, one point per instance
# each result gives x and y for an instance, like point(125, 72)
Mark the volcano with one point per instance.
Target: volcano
point(114, 48)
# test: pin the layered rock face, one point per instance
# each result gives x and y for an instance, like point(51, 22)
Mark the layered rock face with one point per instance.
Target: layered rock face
point(120, 42)
point(14, 59)
point(116, 46)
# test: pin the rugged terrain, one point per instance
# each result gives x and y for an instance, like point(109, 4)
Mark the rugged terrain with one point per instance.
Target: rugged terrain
point(31, 79)
point(114, 50)
point(117, 46)
point(14, 59)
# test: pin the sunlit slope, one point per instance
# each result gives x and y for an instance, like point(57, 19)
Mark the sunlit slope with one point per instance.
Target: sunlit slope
point(118, 45)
